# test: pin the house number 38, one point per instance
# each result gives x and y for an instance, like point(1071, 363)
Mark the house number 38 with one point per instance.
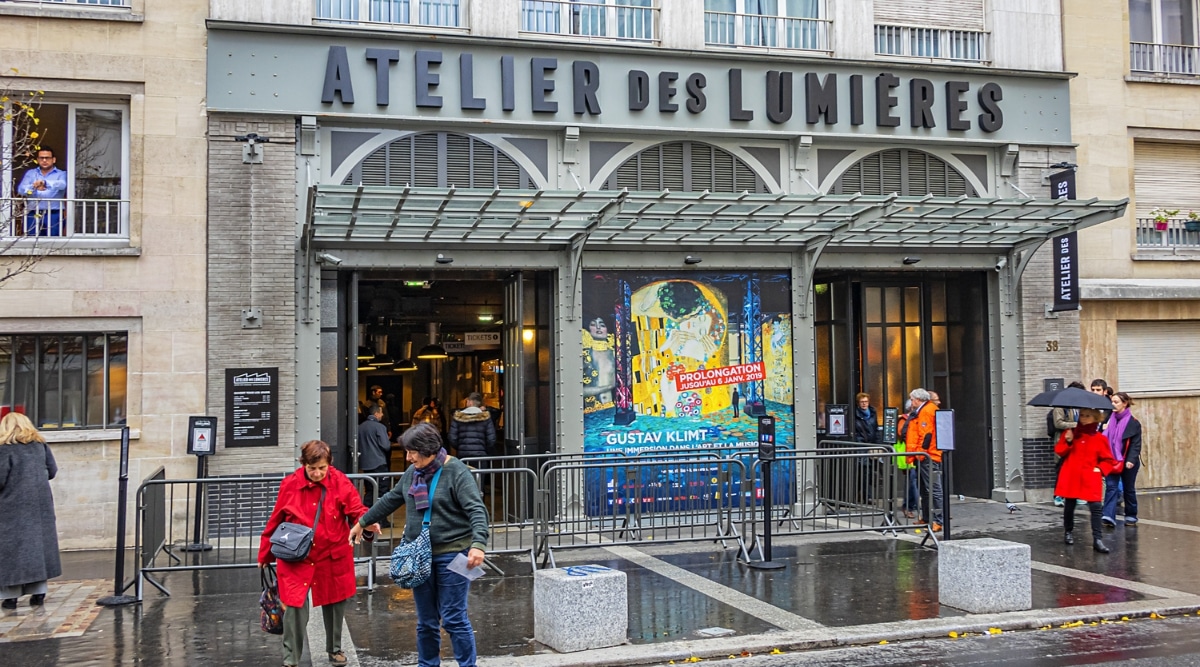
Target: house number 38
point(1052, 346)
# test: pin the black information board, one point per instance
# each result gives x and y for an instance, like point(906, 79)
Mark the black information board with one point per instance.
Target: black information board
point(890, 417)
point(766, 438)
point(251, 407)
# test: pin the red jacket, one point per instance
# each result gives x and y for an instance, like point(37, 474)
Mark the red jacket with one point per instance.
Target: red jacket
point(1085, 463)
point(329, 569)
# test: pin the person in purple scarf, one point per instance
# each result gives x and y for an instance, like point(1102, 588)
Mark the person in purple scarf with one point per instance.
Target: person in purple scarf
point(1124, 433)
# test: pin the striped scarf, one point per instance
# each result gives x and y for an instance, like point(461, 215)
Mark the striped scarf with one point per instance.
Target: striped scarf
point(421, 478)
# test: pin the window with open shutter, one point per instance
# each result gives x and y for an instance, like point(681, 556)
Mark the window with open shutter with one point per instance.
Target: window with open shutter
point(960, 14)
point(1158, 356)
point(905, 172)
point(1166, 176)
point(685, 166)
point(439, 160)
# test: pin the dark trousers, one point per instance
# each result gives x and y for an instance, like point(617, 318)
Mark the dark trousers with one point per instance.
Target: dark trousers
point(385, 485)
point(1069, 516)
point(1127, 480)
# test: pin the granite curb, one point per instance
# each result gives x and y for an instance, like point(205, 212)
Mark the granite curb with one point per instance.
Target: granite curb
point(933, 628)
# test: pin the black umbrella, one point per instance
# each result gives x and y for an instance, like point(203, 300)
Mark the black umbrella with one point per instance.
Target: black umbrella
point(1072, 397)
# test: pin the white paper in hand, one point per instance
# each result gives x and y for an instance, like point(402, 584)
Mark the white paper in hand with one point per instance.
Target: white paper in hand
point(459, 566)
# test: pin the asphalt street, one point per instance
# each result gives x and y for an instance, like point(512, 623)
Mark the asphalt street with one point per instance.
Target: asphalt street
point(1171, 642)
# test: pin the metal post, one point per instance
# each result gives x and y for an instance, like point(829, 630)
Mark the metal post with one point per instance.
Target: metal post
point(946, 494)
point(766, 457)
point(201, 473)
point(117, 599)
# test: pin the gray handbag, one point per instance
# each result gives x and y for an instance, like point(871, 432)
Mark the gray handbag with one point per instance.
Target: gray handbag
point(291, 542)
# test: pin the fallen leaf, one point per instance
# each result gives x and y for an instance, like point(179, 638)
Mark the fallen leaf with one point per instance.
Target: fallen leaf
point(953, 635)
point(882, 642)
point(994, 631)
point(776, 651)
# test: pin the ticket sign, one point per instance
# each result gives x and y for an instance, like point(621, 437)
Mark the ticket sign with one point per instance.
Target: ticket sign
point(766, 438)
point(202, 436)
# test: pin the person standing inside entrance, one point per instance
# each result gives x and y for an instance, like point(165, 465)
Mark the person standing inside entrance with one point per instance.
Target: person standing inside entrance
point(472, 434)
point(922, 437)
point(374, 454)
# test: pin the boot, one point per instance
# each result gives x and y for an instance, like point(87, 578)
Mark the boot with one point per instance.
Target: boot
point(37, 600)
point(1099, 546)
point(9, 603)
point(1069, 538)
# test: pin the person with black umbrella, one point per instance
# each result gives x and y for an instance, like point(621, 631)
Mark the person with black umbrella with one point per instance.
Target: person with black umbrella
point(1087, 459)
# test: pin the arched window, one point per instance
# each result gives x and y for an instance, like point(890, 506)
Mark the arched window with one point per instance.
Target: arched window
point(439, 160)
point(903, 171)
point(685, 166)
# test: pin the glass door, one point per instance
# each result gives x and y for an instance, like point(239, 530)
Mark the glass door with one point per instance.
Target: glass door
point(514, 366)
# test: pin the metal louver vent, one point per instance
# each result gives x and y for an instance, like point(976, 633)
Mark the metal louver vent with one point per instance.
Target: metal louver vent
point(685, 166)
point(904, 172)
point(439, 160)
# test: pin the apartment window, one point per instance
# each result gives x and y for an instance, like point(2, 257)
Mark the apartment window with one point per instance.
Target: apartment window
point(65, 380)
point(791, 24)
point(1162, 36)
point(927, 42)
point(439, 13)
point(72, 180)
point(632, 20)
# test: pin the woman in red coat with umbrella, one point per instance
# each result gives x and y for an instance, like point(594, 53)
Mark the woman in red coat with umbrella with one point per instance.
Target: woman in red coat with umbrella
point(328, 572)
point(1087, 458)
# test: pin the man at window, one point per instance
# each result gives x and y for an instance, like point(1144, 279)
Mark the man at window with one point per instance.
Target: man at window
point(46, 184)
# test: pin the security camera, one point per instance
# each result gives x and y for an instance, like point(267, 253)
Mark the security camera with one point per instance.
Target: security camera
point(326, 258)
point(1003, 262)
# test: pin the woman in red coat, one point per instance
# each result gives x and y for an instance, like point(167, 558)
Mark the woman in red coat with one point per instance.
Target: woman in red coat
point(1087, 458)
point(328, 572)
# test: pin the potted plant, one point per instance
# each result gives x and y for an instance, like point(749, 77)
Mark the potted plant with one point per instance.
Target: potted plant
point(1161, 216)
point(1192, 224)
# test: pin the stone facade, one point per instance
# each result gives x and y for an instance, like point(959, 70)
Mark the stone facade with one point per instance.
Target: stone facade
point(147, 59)
point(1114, 107)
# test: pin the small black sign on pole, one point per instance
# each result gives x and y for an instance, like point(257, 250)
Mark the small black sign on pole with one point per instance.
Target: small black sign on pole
point(117, 598)
point(766, 456)
point(202, 442)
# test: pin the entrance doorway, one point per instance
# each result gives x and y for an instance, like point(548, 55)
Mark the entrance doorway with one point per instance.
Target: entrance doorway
point(887, 334)
point(422, 341)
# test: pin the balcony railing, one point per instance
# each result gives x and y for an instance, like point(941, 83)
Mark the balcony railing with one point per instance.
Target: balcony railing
point(933, 43)
point(622, 20)
point(436, 13)
point(1176, 235)
point(72, 3)
point(757, 30)
point(1170, 59)
point(74, 219)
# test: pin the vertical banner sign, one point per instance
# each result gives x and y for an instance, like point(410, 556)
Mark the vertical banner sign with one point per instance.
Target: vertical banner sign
point(1066, 257)
point(251, 407)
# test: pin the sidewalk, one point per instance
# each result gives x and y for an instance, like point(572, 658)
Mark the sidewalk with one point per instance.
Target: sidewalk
point(835, 590)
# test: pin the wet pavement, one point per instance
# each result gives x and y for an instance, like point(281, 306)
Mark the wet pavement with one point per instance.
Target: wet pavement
point(844, 588)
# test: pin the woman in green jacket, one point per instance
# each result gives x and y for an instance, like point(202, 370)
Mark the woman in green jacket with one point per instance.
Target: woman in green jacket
point(458, 524)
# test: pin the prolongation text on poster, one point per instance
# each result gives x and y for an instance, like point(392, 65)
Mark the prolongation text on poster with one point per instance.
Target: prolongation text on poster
point(723, 375)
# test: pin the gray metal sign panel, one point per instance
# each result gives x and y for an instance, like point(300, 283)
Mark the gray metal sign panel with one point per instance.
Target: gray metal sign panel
point(404, 78)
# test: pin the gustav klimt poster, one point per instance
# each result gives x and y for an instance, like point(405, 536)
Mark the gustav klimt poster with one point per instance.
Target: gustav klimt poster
point(684, 360)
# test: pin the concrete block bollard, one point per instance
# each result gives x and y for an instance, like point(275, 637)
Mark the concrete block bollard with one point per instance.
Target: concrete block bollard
point(985, 575)
point(580, 607)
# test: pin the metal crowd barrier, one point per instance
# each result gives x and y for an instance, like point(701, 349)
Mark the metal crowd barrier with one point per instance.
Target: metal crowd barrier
point(234, 522)
point(541, 503)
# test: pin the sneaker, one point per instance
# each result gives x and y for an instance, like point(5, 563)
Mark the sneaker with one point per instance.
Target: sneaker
point(338, 658)
point(1130, 520)
point(1108, 522)
point(1058, 501)
point(1080, 502)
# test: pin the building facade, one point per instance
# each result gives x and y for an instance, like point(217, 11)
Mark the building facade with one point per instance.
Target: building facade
point(108, 330)
point(637, 223)
point(1135, 120)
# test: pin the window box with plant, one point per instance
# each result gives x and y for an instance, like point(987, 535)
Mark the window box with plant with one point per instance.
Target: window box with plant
point(1192, 224)
point(1161, 217)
